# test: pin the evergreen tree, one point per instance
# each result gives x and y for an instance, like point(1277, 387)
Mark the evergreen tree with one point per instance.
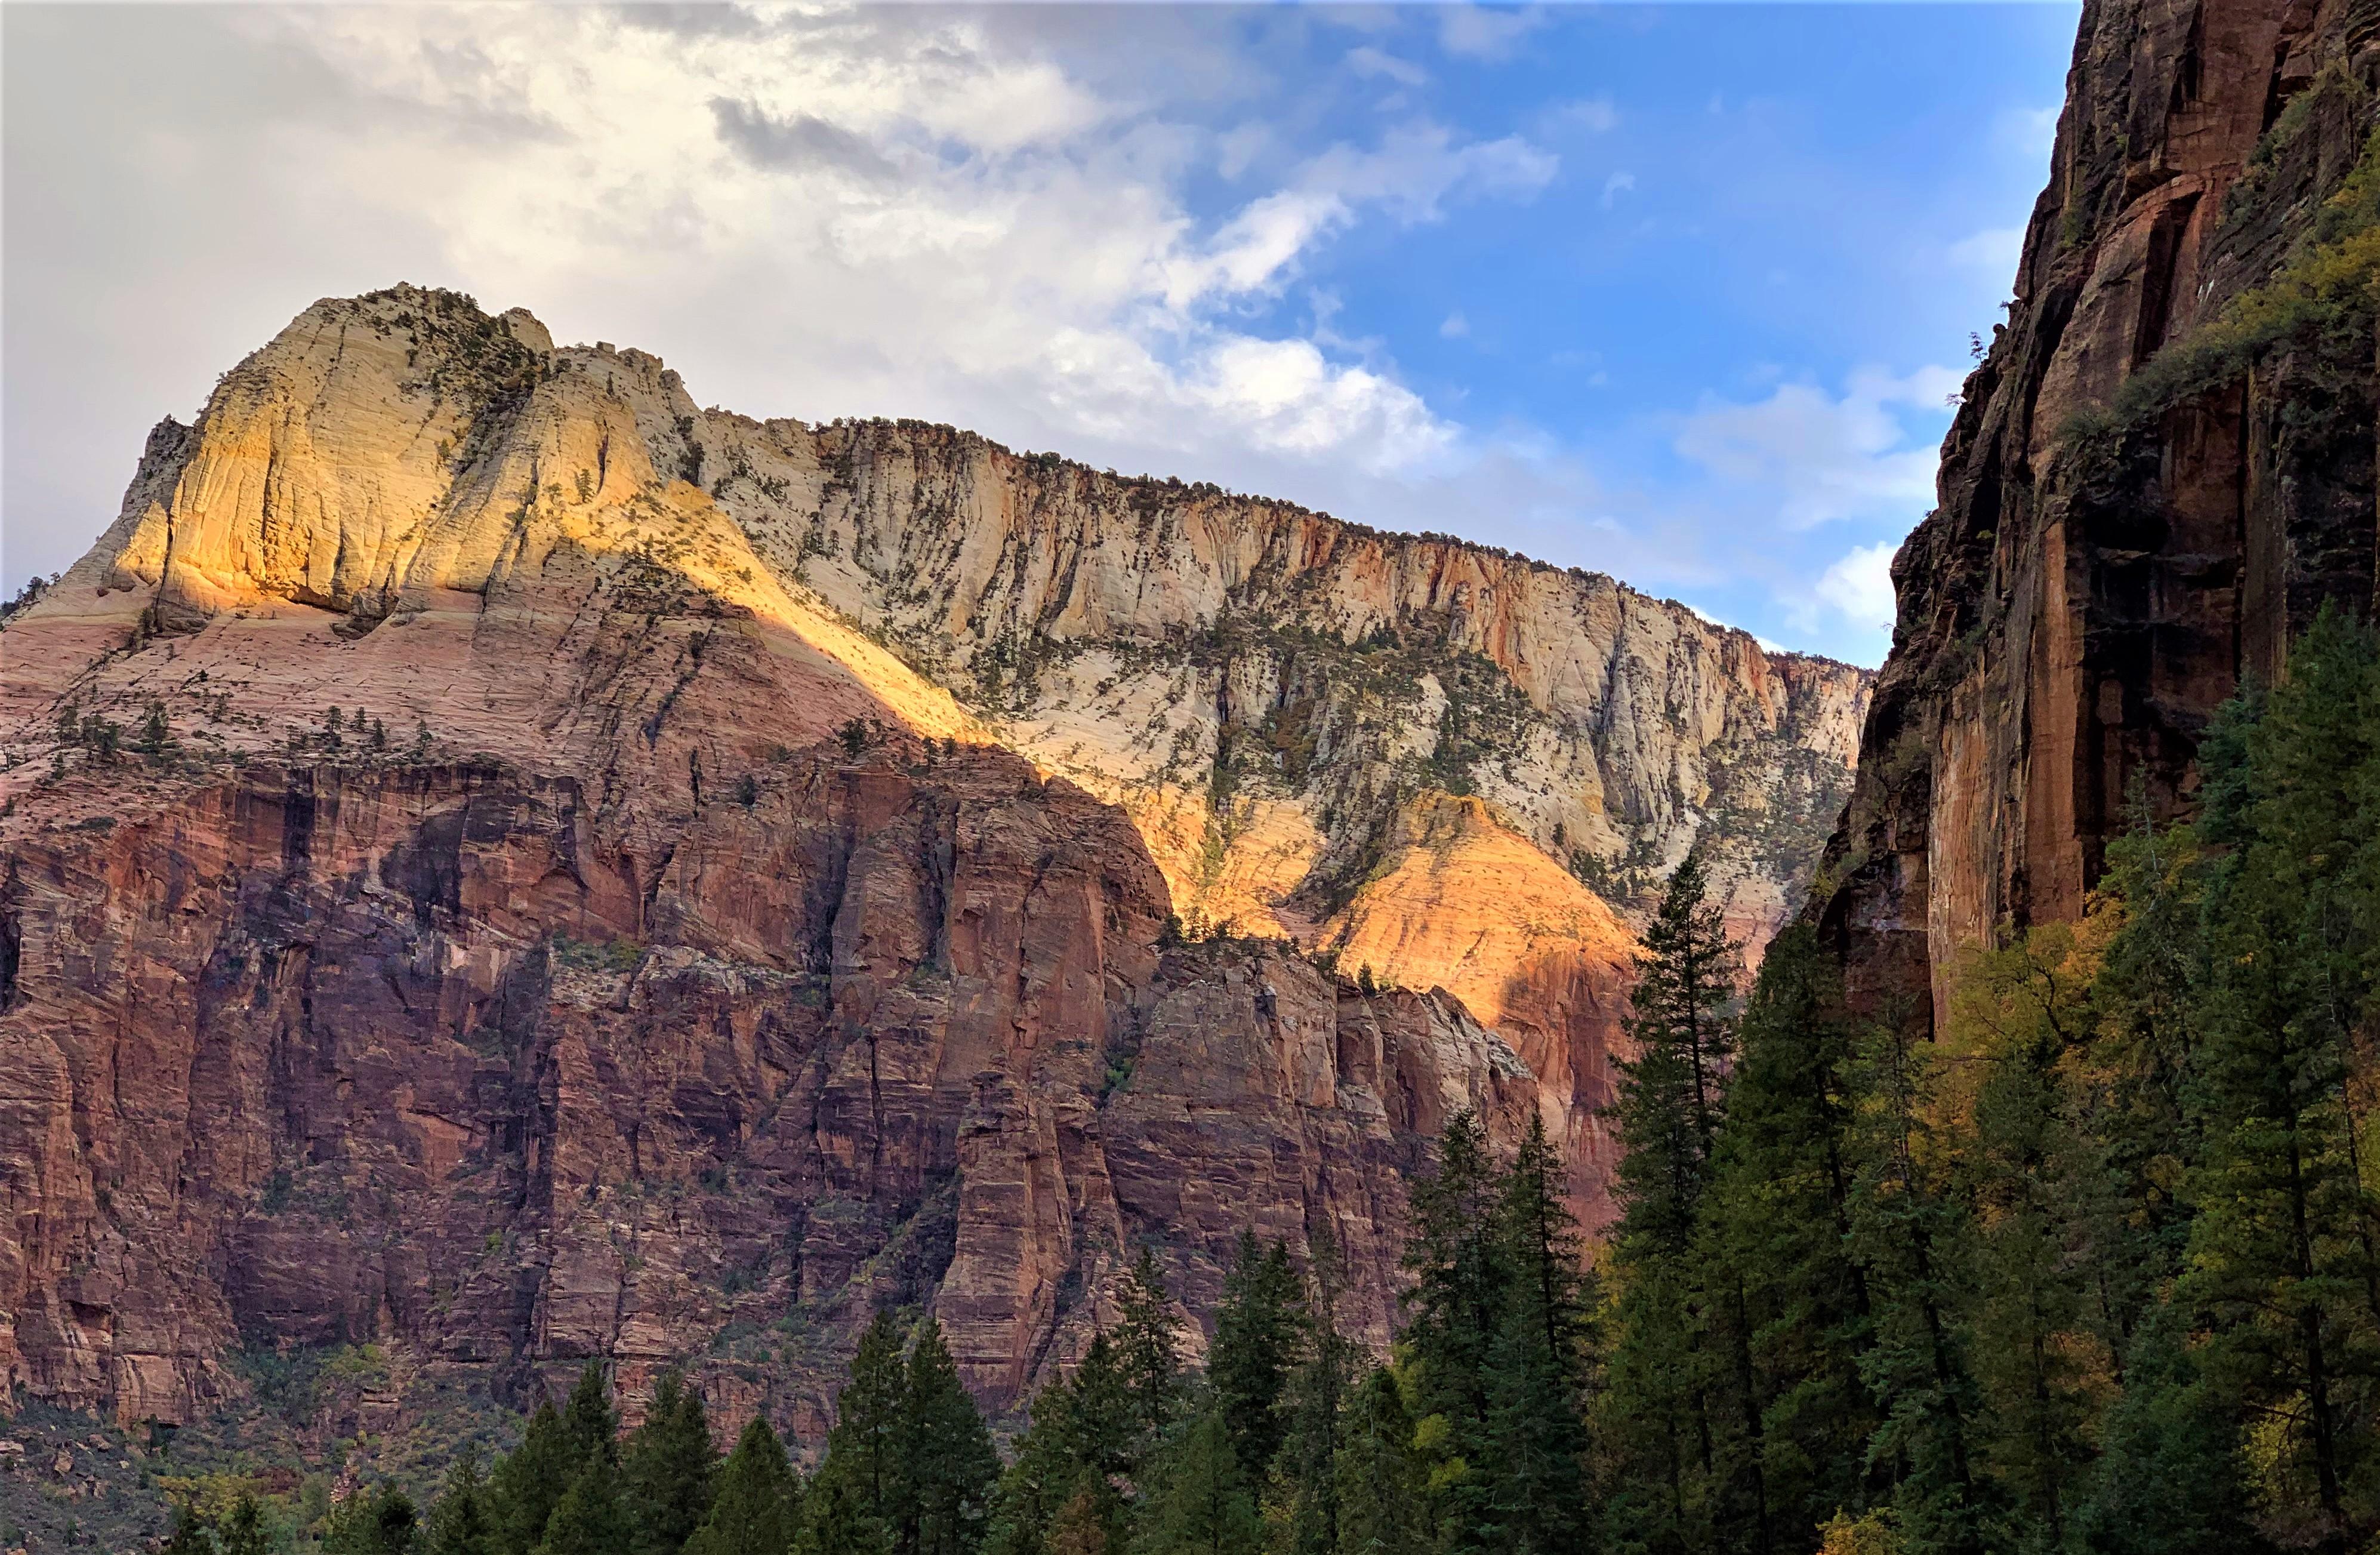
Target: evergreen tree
point(862, 1451)
point(1666, 1469)
point(529, 1481)
point(189, 1534)
point(946, 1456)
point(1255, 1348)
point(2281, 1253)
point(1202, 1505)
point(2030, 1178)
point(156, 734)
point(1380, 1478)
point(1306, 1474)
point(588, 1519)
point(462, 1521)
point(587, 1419)
point(1147, 1353)
point(376, 1523)
point(1454, 1313)
point(837, 1520)
point(1102, 1416)
point(666, 1467)
point(1907, 1234)
point(243, 1531)
point(1536, 1432)
point(1777, 1217)
point(2172, 1481)
point(756, 1501)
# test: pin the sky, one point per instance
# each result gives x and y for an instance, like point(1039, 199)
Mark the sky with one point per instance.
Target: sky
point(1683, 293)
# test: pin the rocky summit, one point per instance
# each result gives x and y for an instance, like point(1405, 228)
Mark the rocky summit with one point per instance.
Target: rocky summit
point(501, 862)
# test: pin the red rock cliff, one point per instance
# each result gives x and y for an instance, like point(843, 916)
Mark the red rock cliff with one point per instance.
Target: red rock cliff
point(499, 861)
point(2161, 469)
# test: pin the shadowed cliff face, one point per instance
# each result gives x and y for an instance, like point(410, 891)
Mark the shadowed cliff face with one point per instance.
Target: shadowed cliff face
point(432, 1054)
point(2161, 469)
point(501, 860)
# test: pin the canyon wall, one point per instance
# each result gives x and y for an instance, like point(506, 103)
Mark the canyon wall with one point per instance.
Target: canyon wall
point(2161, 469)
point(502, 861)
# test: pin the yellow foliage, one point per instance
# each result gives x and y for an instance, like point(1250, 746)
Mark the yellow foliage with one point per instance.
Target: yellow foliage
point(1870, 1534)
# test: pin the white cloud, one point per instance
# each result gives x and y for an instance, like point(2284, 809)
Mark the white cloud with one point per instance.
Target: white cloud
point(1456, 326)
point(838, 211)
point(1818, 457)
point(1369, 62)
point(1994, 251)
point(1616, 185)
point(1859, 587)
point(1486, 32)
point(1595, 114)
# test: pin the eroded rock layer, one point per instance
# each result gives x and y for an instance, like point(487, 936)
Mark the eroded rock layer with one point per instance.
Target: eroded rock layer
point(502, 860)
point(2161, 469)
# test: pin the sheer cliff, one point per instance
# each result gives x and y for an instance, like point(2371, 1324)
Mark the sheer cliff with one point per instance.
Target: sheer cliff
point(503, 860)
point(2162, 468)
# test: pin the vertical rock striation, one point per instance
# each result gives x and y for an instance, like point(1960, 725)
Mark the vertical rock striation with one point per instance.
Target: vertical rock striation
point(2161, 469)
point(503, 862)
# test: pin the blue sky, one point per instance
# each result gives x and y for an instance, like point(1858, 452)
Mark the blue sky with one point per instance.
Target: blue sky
point(1673, 292)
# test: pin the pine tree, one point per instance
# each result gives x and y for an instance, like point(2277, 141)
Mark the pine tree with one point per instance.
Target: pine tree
point(1685, 985)
point(243, 1531)
point(587, 1419)
point(666, 1467)
point(1255, 1347)
point(2281, 1252)
point(1536, 1432)
point(1202, 1505)
point(529, 1481)
point(1454, 1313)
point(2030, 1178)
point(1147, 1352)
point(947, 1460)
point(862, 1451)
point(156, 734)
point(1907, 1234)
point(588, 1519)
point(1080, 1436)
point(1666, 1470)
point(462, 1521)
point(1304, 1477)
point(1379, 1476)
point(836, 1521)
point(378, 1523)
point(2171, 1481)
point(756, 1501)
point(1777, 1215)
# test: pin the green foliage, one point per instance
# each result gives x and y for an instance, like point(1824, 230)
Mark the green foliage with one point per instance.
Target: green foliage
point(530, 1480)
point(947, 1460)
point(756, 1505)
point(1202, 1505)
point(463, 1521)
point(1147, 1353)
point(379, 1523)
point(666, 1467)
point(588, 1520)
point(1255, 1343)
point(1378, 1476)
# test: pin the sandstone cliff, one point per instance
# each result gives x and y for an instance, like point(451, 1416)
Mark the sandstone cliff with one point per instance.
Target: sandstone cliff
point(2162, 467)
point(501, 859)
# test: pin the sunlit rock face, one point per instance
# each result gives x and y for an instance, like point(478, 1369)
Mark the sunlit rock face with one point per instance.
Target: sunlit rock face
point(762, 869)
point(2117, 546)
